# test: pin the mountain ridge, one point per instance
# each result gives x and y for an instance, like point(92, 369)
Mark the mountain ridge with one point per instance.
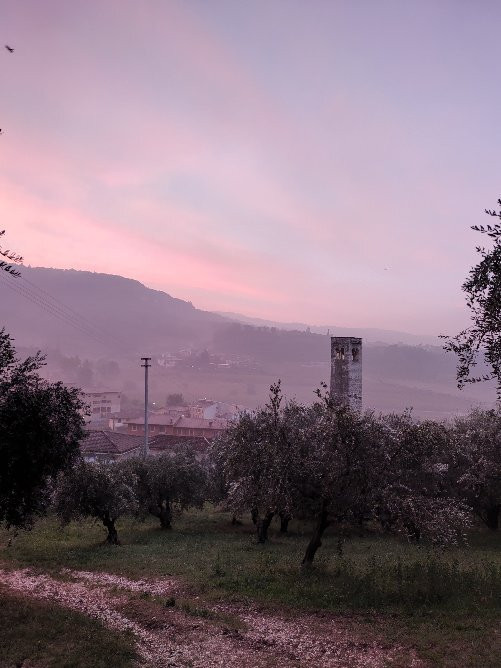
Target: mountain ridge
point(81, 315)
point(372, 334)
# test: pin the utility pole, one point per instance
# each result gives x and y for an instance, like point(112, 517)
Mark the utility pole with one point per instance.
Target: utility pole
point(146, 366)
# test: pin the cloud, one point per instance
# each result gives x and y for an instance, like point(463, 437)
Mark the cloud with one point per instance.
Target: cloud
point(244, 162)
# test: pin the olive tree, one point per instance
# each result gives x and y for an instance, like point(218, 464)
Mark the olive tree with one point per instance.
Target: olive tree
point(41, 425)
point(476, 463)
point(260, 459)
point(105, 492)
point(414, 491)
point(168, 484)
point(336, 481)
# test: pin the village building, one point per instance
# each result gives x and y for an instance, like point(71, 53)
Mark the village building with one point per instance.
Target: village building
point(108, 446)
point(184, 427)
point(210, 409)
point(101, 404)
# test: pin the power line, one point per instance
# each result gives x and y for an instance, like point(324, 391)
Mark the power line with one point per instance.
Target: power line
point(55, 306)
point(71, 312)
point(56, 312)
point(47, 305)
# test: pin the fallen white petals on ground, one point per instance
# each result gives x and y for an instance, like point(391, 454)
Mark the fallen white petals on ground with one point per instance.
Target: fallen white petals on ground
point(96, 602)
point(163, 587)
point(177, 639)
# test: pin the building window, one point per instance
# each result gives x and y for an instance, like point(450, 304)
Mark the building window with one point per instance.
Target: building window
point(355, 352)
point(133, 427)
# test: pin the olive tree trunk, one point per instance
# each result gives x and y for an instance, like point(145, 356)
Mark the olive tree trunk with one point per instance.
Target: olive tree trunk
point(492, 517)
point(263, 524)
point(112, 537)
point(284, 522)
point(316, 539)
point(162, 509)
point(165, 516)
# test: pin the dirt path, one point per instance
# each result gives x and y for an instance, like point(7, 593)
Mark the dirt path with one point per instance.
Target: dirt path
point(197, 634)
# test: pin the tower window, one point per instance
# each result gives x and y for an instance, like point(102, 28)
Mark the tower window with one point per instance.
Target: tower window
point(354, 352)
point(340, 353)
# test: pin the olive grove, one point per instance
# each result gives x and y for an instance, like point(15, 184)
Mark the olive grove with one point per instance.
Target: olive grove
point(342, 468)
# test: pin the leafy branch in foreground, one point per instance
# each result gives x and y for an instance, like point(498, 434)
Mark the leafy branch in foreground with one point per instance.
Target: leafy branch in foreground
point(482, 340)
point(12, 257)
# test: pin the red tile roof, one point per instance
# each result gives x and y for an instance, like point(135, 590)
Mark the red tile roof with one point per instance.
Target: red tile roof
point(109, 442)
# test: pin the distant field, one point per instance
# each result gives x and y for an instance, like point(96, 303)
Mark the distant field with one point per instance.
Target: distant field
point(251, 388)
point(447, 605)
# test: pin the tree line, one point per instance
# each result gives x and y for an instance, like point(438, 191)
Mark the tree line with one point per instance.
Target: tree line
point(336, 467)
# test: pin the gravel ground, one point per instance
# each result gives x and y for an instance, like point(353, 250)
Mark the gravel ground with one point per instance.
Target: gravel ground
point(169, 636)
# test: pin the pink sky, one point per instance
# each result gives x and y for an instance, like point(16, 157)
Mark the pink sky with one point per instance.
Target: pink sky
point(304, 161)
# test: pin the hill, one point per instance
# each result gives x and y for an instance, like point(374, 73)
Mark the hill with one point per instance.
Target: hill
point(369, 334)
point(93, 314)
point(95, 327)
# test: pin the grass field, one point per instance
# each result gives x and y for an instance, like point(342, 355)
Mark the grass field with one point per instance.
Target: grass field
point(445, 604)
point(38, 634)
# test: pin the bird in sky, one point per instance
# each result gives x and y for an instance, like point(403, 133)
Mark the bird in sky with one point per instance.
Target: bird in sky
point(9, 48)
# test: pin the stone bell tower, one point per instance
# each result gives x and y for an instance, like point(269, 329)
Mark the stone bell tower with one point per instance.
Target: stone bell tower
point(346, 371)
